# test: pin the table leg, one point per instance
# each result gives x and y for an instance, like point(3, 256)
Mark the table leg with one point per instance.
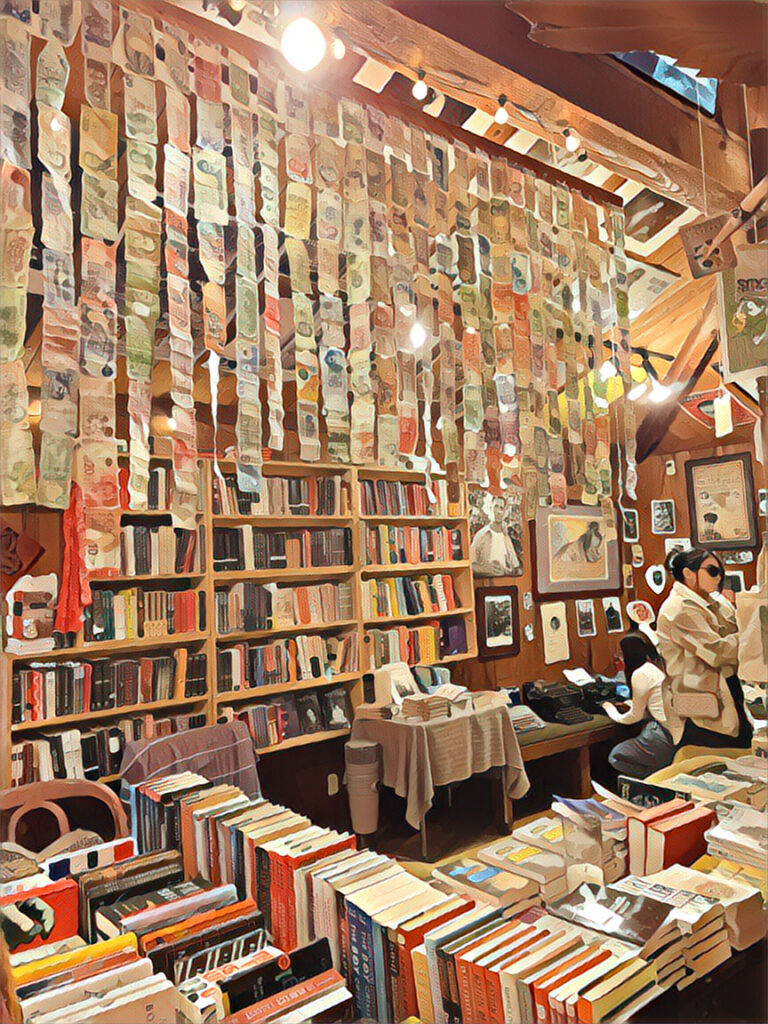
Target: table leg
point(502, 806)
point(424, 845)
point(583, 772)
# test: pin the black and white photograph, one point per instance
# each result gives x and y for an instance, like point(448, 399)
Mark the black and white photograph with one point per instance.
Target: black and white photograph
point(498, 621)
point(630, 525)
point(496, 529)
point(585, 617)
point(310, 716)
point(614, 620)
point(663, 518)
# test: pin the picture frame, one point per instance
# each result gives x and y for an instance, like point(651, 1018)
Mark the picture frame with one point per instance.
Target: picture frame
point(576, 552)
point(630, 522)
point(721, 502)
point(498, 622)
point(663, 516)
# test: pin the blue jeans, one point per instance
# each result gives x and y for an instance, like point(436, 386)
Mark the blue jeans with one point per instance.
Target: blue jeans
point(645, 753)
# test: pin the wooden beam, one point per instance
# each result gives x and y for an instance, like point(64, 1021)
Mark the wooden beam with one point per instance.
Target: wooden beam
point(477, 51)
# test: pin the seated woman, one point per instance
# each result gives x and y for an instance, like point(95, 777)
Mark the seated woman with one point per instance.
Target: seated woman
point(654, 746)
point(698, 639)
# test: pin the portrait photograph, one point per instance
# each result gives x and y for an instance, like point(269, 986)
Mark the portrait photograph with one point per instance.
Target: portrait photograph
point(496, 529)
point(585, 617)
point(663, 518)
point(498, 628)
point(576, 551)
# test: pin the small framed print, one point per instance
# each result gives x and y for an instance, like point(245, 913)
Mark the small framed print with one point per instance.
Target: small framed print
point(721, 501)
point(613, 617)
point(585, 617)
point(630, 525)
point(576, 552)
point(663, 517)
point(498, 622)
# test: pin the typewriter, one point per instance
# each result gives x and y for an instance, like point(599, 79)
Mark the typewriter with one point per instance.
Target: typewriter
point(602, 691)
point(556, 702)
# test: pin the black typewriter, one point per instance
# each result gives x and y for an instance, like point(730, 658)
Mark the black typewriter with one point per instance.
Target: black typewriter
point(602, 691)
point(556, 702)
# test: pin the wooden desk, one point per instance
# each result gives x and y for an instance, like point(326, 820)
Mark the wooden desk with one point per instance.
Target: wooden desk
point(559, 739)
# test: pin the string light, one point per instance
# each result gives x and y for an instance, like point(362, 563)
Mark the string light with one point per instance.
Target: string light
point(608, 370)
point(418, 335)
point(638, 391)
point(420, 90)
point(303, 44)
point(502, 114)
point(338, 49)
point(659, 392)
point(571, 141)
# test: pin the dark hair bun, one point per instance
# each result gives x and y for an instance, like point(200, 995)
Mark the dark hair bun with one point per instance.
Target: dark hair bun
point(671, 561)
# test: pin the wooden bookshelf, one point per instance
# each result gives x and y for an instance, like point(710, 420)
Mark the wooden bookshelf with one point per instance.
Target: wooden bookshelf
point(209, 580)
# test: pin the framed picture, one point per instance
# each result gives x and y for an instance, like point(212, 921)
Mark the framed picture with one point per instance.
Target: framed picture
point(496, 529)
point(721, 502)
point(576, 552)
point(734, 581)
point(613, 617)
point(663, 517)
point(630, 525)
point(585, 617)
point(498, 622)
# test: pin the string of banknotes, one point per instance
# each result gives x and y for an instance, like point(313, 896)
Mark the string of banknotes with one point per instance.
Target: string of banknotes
point(440, 308)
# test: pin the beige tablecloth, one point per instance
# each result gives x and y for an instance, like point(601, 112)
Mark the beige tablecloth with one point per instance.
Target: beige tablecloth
point(419, 756)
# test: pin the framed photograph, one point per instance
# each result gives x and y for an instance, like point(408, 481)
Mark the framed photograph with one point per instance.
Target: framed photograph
point(734, 581)
point(498, 622)
point(663, 517)
point(585, 617)
point(721, 502)
point(762, 502)
point(630, 525)
point(496, 529)
point(576, 552)
point(613, 617)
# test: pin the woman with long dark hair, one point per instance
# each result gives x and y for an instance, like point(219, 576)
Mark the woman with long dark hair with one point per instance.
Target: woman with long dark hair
point(698, 640)
point(654, 746)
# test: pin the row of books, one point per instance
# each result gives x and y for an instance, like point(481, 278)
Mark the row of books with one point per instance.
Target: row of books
point(410, 545)
point(293, 714)
point(136, 612)
point(247, 606)
point(45, 690)
point(161, 493)
point(418, 644)
point(159, 549)
point(395, 498)
point(472, 944)
point(293, 659)
point(74, 754)
point(248, 547)
point(408, 595)
point(283, 496)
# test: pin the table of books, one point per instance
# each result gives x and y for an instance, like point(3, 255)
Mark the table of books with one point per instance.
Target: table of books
point(419, 756)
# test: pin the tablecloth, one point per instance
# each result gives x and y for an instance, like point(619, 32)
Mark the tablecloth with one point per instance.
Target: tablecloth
point(419, 756)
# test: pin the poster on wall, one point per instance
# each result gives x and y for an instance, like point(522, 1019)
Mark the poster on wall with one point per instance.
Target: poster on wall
point(576, 551)
point(721, 501)
point(554, 631)
point(496, 525)
point(498, 625)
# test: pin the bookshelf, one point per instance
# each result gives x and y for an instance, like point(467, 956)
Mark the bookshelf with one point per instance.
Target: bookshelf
point(354, 515)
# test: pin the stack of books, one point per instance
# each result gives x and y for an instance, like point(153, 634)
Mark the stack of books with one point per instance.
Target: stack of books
point(740, 834)
point(425, 707)
point(524, 719)
point(594, 834)
point(542, 866)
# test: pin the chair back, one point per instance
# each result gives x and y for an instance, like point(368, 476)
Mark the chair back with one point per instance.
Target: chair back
point(36, 814)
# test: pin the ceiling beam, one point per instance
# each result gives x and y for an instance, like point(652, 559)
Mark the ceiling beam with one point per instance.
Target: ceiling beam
point(479, 50)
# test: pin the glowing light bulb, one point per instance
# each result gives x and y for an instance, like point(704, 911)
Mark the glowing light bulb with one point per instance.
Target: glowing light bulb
point(637, 391)
point(502, 114)
point(608, 370)
point(303, 44)
point(418, 335)
point(571, 143)
point(338, 49)
point(171, 423)
point(420, 90)
point(659, 392)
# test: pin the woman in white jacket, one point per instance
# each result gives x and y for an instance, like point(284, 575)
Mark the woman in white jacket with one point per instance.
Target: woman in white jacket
point(698, 639)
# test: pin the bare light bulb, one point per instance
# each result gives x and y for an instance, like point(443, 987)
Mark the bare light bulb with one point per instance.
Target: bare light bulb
point(418, 335)
point(303, 44)
point(420, 90)
point(171, 424)
point(502, 114)
point(637, 391)
point(338, 49)
point(608, 370)
point(659, 392)
point(571, 143)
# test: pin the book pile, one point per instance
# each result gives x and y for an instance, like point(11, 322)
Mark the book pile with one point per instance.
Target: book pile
point(74, 754)
point(410, 545)
point(524, 719)
point(740, 834)
point(669, 833)
point(395, 498)
point(593, 834)
point(408, 595)
point(374, 712)
point(282, 496)
point(293, 714)
point(489, 884)
point(425, 706)
point(543, 866)
point(247, 547)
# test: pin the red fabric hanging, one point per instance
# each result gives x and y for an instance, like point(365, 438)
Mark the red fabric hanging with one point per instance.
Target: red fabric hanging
point(75, 592)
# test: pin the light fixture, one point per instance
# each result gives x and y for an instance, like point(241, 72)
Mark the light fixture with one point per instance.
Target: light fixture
point(420, 90)
point(338, 49)
point(637, 391)
point(659, 392)
point(571, 141)
point(237, 5)
point(170, 424)
point(608, 370)
point(502, 114)
point(56, 124)
point(35, 409)
point(418, 335)
point(303, 44)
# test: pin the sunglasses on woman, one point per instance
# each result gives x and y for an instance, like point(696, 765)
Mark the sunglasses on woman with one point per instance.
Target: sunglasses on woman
point(714, 571)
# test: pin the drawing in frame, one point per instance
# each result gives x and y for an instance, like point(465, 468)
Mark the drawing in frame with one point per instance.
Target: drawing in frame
point(576, 552)
point(721, 502)
point(498, 622)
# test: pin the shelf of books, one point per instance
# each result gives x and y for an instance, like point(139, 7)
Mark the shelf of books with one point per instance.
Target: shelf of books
point(415, 579)
point(268, 608)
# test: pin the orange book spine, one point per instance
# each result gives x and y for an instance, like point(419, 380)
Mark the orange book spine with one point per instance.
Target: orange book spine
point(465, 989)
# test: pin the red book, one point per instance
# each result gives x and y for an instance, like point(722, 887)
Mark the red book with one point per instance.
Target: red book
point(678, 839)
point(283, 1002)
point(637, 824)
point(35, 917)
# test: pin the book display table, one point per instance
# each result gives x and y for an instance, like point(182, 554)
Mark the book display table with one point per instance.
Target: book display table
point(417, 757)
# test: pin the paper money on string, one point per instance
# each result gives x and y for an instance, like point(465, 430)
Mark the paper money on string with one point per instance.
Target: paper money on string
point(210, 126)
point(98, 340)
point(56, 204)
point(298, 264)
point(97, 408)
point(98, 142)
point(98, 83)
point(99, 212)
point(206, 68)
point(309, 432)
point(242, 144)
point(139, 416)
point(54, 140)
point(15, 252)
point(177, 119)
point(13, 313)
point(98, 473)
point(362, 448)
point(269, 191)
point(210, 178)
point(14, 397)
point(61, 338)
point(58, 394)
point(15, 131)
point(176, 180)
point(52, 75)
point(239, 79)
point(58, 278)
point(249, 450)
point(97, 33)
point(358, 278)
point(214, 317)
point(298, 210)
point(59, 19)
point(14, 60)
point(247, 297)
point(141, 160)
point(212, 251)
point(328, 267)
point(101, 550)
point(137, 43)
point(56, 458)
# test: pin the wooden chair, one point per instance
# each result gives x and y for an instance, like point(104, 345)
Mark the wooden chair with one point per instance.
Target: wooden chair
point(36, 814)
